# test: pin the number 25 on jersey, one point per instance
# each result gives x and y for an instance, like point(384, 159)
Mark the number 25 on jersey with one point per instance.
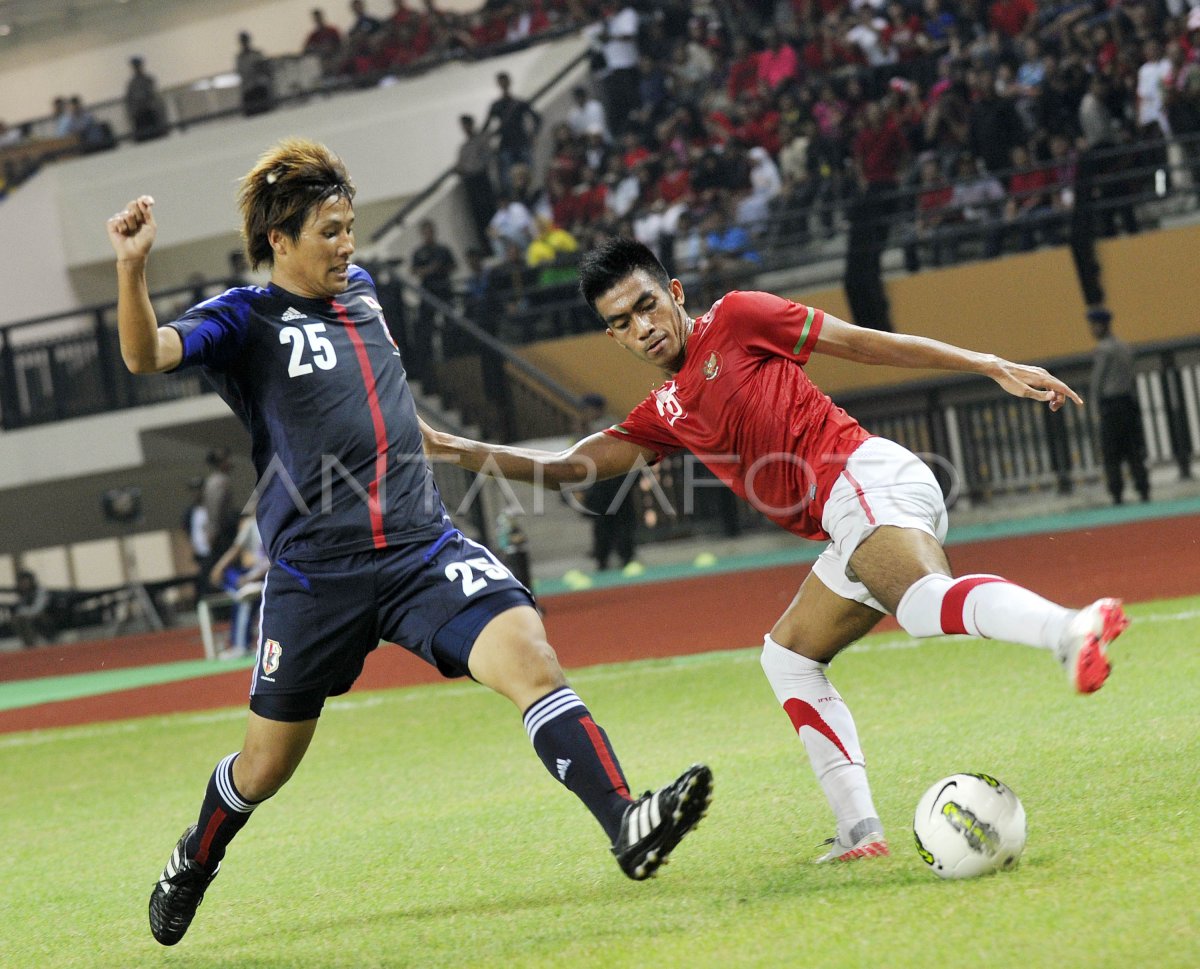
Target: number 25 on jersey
point(323, 354)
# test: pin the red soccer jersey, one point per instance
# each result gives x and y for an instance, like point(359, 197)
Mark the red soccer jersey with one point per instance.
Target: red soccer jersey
point(745, 407)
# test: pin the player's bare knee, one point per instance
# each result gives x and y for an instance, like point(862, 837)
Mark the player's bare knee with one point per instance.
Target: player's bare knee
point(541, 666)
point(260, 774)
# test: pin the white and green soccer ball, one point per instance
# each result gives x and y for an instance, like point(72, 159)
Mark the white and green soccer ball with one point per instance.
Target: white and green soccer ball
point(968, 825)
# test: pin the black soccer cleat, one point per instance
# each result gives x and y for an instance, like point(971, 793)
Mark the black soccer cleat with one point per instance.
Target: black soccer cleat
point(656, 822)
point(178, 893)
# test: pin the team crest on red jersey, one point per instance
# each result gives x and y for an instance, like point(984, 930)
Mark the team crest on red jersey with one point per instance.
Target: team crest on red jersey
point(712, 366)
point(272, 651)
point(668, 403)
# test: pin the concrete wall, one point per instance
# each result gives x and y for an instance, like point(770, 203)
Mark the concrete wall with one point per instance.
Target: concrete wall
point(56, 502)
point(395, 140)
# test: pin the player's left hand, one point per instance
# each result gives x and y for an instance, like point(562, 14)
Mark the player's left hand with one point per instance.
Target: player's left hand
point(1035, 383)
point(132, 231)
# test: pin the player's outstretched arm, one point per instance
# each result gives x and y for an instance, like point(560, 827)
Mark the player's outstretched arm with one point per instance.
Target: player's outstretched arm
point(145, 346)
point(592, 459)
point(849, 342)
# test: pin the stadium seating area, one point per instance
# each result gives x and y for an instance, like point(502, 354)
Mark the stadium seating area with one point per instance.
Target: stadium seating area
point(966, 127)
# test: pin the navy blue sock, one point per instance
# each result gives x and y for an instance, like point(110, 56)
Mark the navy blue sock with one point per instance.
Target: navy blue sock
point(576, 750)
point(222, 815)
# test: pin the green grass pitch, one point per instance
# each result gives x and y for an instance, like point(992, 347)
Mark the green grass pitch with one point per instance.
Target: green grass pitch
point(421, 830)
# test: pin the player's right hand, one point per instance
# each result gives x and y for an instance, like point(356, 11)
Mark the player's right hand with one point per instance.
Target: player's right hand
point(132, 230)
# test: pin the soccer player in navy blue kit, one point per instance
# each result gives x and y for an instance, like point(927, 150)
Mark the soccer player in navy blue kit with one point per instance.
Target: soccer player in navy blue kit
point(360, 545)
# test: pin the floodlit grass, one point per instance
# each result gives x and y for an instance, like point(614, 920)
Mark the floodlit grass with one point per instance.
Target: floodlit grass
point(422, 831)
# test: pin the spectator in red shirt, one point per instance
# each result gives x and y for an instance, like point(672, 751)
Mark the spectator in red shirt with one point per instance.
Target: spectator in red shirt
point(756, 124)
point(743, 69)
point(395, 49)
point(566, 155)
point(632, 150)
point(777, 63)
point(590, 197)
point(1028, 205)
point(1011, 17)
point(933, 213)
point(903, 32)
point(880, 150)
point(564, 207)
point(325, 41)
point(489, 28)
point(675, 183)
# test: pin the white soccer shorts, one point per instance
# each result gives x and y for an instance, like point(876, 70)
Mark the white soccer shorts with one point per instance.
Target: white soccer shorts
point(882, 484)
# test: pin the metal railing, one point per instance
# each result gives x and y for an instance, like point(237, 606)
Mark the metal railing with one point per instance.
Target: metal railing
point(470, 369)
point(991, 443)
point(980, 442)
point(68, 365)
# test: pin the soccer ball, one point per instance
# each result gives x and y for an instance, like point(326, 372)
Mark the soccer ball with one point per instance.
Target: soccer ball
point(968, 825)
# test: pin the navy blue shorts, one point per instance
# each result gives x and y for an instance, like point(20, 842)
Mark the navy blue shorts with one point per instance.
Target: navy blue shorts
point(321, 618)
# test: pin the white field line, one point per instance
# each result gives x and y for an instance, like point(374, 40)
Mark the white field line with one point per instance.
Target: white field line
point(593, 674)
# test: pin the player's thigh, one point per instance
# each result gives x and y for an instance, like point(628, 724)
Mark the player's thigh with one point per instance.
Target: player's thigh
point(318, 625)
point(437, 602)
point(820, 623)
point(886, 519)
point(512, 657)
point(892, 558)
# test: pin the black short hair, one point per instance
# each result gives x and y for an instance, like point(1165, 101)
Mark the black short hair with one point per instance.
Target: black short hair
point(611, 261)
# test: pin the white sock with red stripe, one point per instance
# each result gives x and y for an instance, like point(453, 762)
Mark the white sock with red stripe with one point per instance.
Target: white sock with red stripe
point(575, 749)
point(981, 605)
point(825, 727)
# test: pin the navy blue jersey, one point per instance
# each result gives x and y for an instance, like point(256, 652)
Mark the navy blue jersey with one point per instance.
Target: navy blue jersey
point(319, 385)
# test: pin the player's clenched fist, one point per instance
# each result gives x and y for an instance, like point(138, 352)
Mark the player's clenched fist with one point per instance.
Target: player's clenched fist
point(132, 230)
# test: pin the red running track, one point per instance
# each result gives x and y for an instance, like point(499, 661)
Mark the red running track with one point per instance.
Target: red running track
point(1138, 562)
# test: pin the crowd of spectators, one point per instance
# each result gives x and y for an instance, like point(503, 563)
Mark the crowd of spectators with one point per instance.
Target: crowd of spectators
point(374, 45)
point(715, 132)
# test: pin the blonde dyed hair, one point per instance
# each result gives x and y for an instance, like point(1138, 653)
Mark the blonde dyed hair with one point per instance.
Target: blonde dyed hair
point(280, 192)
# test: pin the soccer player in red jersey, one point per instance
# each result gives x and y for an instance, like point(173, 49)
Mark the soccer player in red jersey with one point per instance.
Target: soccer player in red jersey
point(737, 396)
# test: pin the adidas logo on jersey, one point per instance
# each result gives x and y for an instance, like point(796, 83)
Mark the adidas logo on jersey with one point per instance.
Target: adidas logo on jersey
point(563, 767)
point(291, 313)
